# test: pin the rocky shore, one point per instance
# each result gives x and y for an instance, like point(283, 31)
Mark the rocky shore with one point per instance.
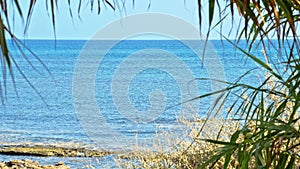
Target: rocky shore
point(25, 164)
point(50, 150)
point(45, 150)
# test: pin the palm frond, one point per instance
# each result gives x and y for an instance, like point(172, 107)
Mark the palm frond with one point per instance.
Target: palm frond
point(5, 29)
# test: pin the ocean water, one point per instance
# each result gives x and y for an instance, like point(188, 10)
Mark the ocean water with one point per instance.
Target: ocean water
point(41, 107)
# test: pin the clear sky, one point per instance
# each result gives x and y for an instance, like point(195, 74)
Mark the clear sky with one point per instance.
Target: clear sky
point(74, 28)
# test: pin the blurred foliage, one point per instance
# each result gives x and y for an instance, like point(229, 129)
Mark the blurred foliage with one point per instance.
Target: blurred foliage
point(269, 135)
point(10, 10)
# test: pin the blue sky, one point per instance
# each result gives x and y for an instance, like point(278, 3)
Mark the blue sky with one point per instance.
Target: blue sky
point(74, 28)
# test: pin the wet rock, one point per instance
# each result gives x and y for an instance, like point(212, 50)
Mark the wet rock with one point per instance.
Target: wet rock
point(51, 151)
point(24, 164)
point(59, 163)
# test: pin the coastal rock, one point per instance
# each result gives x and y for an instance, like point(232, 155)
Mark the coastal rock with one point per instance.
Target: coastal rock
point(59, 163)
point(24, 164)
point(37, 150)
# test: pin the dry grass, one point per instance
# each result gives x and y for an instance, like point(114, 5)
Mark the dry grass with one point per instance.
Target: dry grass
point(194, 150)
point(187, 153)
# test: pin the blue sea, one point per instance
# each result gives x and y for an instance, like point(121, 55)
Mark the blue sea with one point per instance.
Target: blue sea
point(137, 90)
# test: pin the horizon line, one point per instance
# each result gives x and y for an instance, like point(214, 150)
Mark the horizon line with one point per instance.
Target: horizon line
point(115, 39)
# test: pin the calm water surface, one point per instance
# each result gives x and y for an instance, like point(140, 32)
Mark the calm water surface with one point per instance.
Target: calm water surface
point(51, 117)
